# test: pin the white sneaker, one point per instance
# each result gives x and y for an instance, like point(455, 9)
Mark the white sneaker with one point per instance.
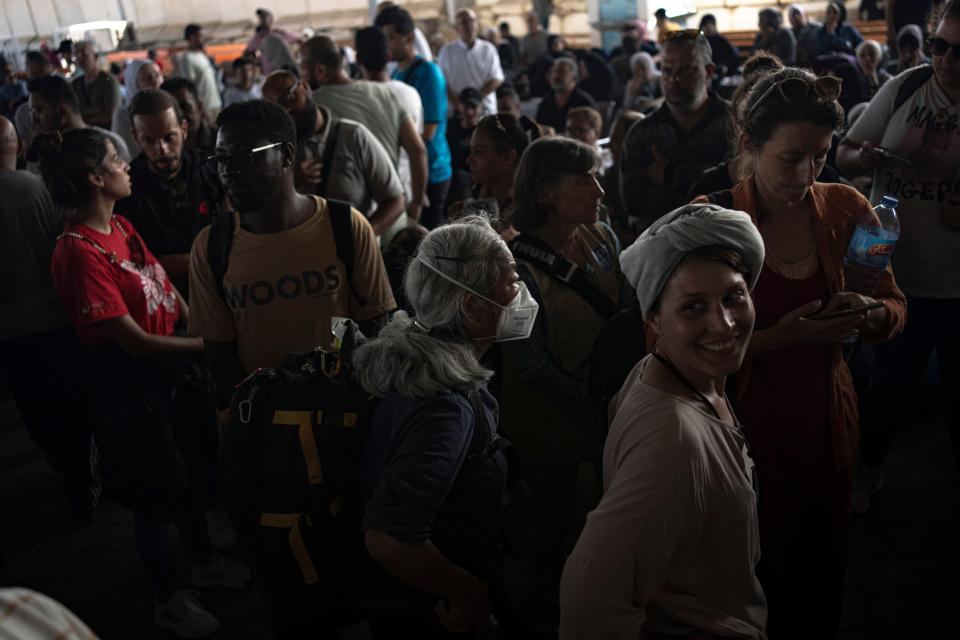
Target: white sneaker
point(866, 482)
point(223, 536)
point(220, 572)
point(183, 615)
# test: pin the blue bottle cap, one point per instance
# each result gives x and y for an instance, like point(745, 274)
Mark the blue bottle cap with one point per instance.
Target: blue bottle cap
point(889, 202)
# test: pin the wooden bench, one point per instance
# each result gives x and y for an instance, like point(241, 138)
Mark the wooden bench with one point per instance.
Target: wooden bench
point(871, 30)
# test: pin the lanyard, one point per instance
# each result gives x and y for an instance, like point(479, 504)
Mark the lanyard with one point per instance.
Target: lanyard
point(750, 467)
point(673, 369)
point(110, 255)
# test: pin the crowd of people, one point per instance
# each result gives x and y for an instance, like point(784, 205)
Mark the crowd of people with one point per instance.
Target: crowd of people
point(605, 268)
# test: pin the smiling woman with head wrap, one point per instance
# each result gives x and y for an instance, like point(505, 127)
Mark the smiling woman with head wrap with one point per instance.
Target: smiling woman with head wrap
point(672, 546)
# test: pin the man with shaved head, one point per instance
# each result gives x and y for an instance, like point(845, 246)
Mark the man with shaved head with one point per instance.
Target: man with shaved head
point(471, 63)
point(39, 353)
point(336, 157)
point(372, 104)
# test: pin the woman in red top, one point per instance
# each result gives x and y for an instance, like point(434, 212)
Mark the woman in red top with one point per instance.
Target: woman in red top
point(148, 423)
point(795, 393)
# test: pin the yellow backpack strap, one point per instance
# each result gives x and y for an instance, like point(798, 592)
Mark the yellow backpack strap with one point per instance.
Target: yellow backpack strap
point(297, 546)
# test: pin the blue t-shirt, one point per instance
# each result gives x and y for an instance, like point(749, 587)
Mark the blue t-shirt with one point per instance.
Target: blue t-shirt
point(429, 82)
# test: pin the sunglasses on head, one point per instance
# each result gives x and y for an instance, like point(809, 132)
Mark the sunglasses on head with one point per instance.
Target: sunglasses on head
point(940, 47)
point(684, 34)
point(826, 88)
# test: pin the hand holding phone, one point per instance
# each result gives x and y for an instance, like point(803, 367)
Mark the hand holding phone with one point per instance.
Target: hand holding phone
point(886, 153)
point(850, 311)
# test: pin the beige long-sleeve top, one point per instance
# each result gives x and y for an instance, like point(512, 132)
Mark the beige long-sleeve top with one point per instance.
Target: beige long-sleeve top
point(672, 546)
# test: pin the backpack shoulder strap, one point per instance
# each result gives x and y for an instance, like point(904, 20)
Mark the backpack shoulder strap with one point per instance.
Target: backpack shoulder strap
point(408, 75)
point(329, 147)
point(539, 253)
point(722, 198)
point(917, 78)
point(219, 243)
point(341, 219)
point(485, 442)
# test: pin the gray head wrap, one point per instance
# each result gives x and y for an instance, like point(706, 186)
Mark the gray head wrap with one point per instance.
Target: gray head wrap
point(911, 30)
point(650, 261)
point(130, 74)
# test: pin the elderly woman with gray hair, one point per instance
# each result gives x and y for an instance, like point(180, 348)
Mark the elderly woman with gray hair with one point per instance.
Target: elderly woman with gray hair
point(432, 468)
point(670, 551)
point(644, 87)
point(568, 260)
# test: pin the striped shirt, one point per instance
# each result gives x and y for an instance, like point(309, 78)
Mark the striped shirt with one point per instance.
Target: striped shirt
point(690, 153)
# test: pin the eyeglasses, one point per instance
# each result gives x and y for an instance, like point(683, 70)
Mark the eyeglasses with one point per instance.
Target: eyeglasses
point(223, 162)
point(826, 88)
point(940, 46)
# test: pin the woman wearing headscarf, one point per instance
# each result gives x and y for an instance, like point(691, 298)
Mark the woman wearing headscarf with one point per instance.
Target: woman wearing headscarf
point(872, 77)
point(644, 87)
point(795, 393)
point(805, 30)
point(568, 260)
point(837, 35)
point(138, 74)
point(672, 546)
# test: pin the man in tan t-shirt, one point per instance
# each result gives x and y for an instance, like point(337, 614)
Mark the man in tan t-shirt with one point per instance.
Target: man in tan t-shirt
point(284, 281)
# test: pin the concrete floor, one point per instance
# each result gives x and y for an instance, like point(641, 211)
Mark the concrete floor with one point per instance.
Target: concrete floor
point(902, 581)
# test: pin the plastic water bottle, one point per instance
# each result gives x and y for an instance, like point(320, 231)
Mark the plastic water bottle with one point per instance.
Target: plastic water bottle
point(871, 247)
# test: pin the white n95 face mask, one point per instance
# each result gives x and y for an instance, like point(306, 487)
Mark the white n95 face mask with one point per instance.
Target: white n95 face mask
point(516, 319)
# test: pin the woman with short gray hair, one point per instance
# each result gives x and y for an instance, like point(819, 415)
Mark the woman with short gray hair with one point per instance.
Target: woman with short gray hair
point(569, 262)
point(644, 86)
point(432, 472)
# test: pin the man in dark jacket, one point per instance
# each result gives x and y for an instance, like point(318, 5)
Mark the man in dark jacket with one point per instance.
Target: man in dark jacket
point(775, 38)
point(726, 57)
point(563, 95)
point(174, 194)
point(663, 154)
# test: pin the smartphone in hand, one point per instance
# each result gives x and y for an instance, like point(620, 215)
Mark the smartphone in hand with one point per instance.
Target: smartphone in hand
point(851, 311)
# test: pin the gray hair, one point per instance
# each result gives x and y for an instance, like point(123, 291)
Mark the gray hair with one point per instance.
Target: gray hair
point(570, 62)
point(433, 355)
point(870, 44)
point(647, 60)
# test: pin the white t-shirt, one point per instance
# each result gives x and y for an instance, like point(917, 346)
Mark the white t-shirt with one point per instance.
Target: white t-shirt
point(926, 128)
point(412, 104)
point(471, 67)
point(234, 94)
point(196, 66)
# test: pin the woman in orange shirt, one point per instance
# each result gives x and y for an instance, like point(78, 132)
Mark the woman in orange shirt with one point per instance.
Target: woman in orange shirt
point(794, 393)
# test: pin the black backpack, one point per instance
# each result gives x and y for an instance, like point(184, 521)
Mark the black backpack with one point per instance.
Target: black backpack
point(290, 473)
point(620, 343)
point(220, 241)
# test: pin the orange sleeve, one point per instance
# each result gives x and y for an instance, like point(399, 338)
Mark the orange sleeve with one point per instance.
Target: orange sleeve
point(896, 303)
